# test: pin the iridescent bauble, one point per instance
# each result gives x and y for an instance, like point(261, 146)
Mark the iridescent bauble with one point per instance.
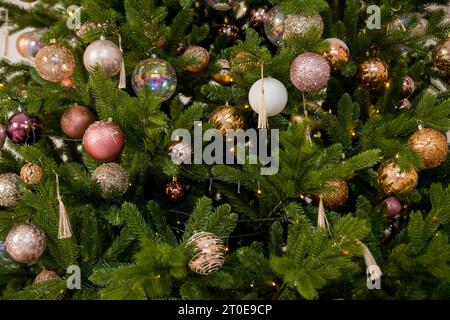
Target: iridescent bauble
point(105, 54)
point(393, 207)
point(336, 194)
point(200, 56)
point(227, 118)
point(431, 145)
point(279, 26)
point(29, 43)
point(224, 75)
point(230, 31)
point(75, 121)
point(373, 73)
point(392, 180)
point(408, 87)
point(441, 56)
point(111, 177)
point(55, 63)
point(25, 243)
point(310, 72)
point(174, 191)
point(180, 152)
point(275, 96)
point(104, 141)
point(85, 28)
point(209, 253)
point(337, 53)
point(258, 15)
point(2, 135)
point(24, 129)
point(45, 275)
point(31, 174)
point(157, 75)
point(9, 189)
point(5, 260)
point(221, 5)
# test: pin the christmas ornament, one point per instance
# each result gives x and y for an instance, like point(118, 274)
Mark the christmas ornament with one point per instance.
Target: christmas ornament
point(310, 72)
point(201, 56)
point(278, 26)
point(55, 63)
point(31, 174)
point(157, 75)
point(373, 73)
point(67, 83)
point(104, 53)
point(404, 104)
point(275, 96)
point(45, 275)
point(218, 197)
point(227, 117)
point(337, 53)
point(209, 253)
point(111, 177)
point(221, 5)
point(408, 86)
point(25, 243)
point(441, 56)
point(2, 135)
point(174, 190)
point(431, 145)
point(393, 207)
point(104, 141)
point(337, 194)
point(75, 121)
point(9, 189)
point(29, 43)
point(240, 10)
point(230, 31)
point(391, 180)
point(258, 15)
point(85, 28)
point(23, 128)
point(180, 152)
point(5, 260)
point(224, 75)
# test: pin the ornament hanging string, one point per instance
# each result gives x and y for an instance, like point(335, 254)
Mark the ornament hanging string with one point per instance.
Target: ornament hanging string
point(305, 112)
point(64, 228)
point(123, 75)
point(262, 115)
point(322, 221)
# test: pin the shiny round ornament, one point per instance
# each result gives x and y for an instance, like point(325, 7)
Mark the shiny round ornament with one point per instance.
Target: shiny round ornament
point(180, 152)
point(221, 5)
point(404, 104)
point(105, 54)
point(408, 86)
point(46, 275)
point(275, 96)
point(85, 28)
point(31, 174)
point(393, 207)
point(111, 177)
point(337, 53)
point(25, 243)
point(441, 56)
point(431, 145)
point(391, 180)
point(104, 141)
point(174, 191)
point(258, 15)
point(310, 72)
point(54, 63)
point(228, 30)
point(29, 43)
point(9, 189)
point(337, 194)
point(373, 73)
point(24, 129)
point(223, 76)
point(2, 135)
point(157, 75)
point(227, 118)
point(201, 57)
point(75, 121)
point(67, 83)
point(209, 253)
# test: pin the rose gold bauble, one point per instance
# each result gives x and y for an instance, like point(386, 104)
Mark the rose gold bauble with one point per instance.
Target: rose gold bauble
point(201, 57)
point(76, 120)
point(227, 117)
point(431, 145)
point(391, 180)
point(408, 86)
point(337, 195)
point(441, 56)
point(67, 83)
point(209, 253)
point(54, 63)
point(104, 141)
point(31, 174)
point(45, 275)
point(104, 53)
point(25, 243)
point(310, 72)
point(111, 177)
point(373, 73)
point(337, 53)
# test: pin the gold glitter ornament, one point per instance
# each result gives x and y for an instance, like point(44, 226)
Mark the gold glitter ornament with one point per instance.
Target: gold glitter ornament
point(337, 195)
point(55, 63)
point(111, 177)
point(391, 180)
point(227, 117)
point(31, 174)
point(201, 56)
point(9, 189)
point(373, 73)
point(337, 53)
point(431, 145)
point(209, 253)
point(25, 243)
point(45, 275)
point(441, 56)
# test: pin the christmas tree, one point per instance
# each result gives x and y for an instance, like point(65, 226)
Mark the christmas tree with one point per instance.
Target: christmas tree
point(120, 177)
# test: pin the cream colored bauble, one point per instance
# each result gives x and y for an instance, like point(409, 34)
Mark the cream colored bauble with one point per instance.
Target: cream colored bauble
point(275, 96)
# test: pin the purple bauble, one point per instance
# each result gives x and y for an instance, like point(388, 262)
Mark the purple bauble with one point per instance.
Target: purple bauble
point(393, 206)
point(2, 135)
point(310, 72)
point(23, 128)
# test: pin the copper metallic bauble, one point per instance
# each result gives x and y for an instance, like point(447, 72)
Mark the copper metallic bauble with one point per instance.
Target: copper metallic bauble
point(393, 207)
point(431, 145)
point(337, 53)
point(441, 56)
point(209, 253)
point(391, 180)
point(85, 28)
point(2, 135)
point(29, 43)
point(310, 72)
point(337, 194)
point(111, 177)
point(174, 191)
point(104, 141)
point(45, 275)
point(105, 54)
point(25, 243)
point(31, 174)
point(200, 56)
point(258, 15)
point(224, 75)
point(373, 73)
point(55, 63)
point(230, 31)
point(408, 86)
point(75, 121)
point(227, 117)
point(9, 189)
point(23, 128)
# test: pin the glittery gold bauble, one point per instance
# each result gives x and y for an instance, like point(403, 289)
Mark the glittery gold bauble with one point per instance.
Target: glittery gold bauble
point(224, 75)
point(227, 117)
point(31, 174)
point(441, 56)
point(337, 53)
point(55, 63)
point(431, 145)
point(46, 275)
point(391, 180)
point(373, 73)
point(25, 243)
point(336, 194)
point(111, 177)
point(209, 253)
point(201, 57)
point(9, 189)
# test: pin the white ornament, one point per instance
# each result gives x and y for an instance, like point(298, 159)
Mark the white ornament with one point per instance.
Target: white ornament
point(275, 96)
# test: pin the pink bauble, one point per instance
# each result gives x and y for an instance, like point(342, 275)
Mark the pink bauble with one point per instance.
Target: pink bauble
point(104, 141)
point(393, 207)
point(310, 72)
point(2, 135)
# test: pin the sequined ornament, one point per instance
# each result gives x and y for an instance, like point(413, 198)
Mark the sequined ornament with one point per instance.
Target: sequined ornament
point(9, 189)
point(23, 128)
point(55, 63)
point(373, 73)
point(31, 174)
point(2, 135)
point(337, 53)
point(391, 180)
point(174, 190)
point(104, 141)
point(221, 5)
point(209, 253)
point(393, 207)
point(200, 56)
point(275, 96)
point(111, 177)
point(441, 56)
point(258, 15)
point(310, 72)
point(85, 28)
point(25, 243)
point(227, 117)
point(157, 75)
point(431, 145)
point(279, 26)
point(45, 275)
point(223, 76)
point(105, 54)
point(336, 194)
point(5, 260)
point(180, 152)
point(29, 43)
point(408, 87)
point(75, 121)
point(228, 30)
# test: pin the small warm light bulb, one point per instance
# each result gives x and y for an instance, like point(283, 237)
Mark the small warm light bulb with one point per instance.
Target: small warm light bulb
point(227, 249)
point(178, 221)
point(387, 84)
point(259, 191)
point(252, 285)
point(302, 196)
point(274, 284)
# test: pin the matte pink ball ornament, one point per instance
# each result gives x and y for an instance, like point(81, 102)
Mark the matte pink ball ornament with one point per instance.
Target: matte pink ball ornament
point(104, 141)
point(393, 206)
point(310, 72)
point(104, 53)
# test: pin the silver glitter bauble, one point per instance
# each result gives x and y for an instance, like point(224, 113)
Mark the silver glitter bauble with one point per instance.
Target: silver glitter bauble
point(25, 243)
point(310, 72)
point(209, 253)
point(221, 5)
point(9, 189)
point(104, 53)
point(111, 177)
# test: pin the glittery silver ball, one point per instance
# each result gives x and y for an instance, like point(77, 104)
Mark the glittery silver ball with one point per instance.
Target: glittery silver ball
point(310, 72)
point(9, 189)
point(25, 243)
point(111, 176)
